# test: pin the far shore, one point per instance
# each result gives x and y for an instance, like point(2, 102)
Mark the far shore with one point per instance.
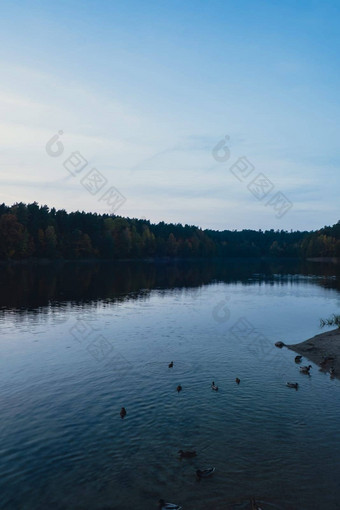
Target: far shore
point(43, 261)
point(334, 260)
point(319, 346)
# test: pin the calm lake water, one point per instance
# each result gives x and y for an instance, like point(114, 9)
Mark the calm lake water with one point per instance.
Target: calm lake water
point(79, 341)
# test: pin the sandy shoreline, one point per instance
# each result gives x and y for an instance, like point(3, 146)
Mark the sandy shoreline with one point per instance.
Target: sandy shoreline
point(325, 344)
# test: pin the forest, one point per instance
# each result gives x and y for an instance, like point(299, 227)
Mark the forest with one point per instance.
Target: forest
point(33, 231)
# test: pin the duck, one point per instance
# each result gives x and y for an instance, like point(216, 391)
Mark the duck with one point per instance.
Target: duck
point(328, 358)
point(279, 344)
point(179, 388)
point(332, 370)
point(325, 360)
point(298, 359)
point(254, 505)
point(213, 386)
point(237, 380)
point(162, 505)
point(188, 454)
point(171, 364)
point(292, 385)
point(305, 370)
point(204, 473)
point(122, 412)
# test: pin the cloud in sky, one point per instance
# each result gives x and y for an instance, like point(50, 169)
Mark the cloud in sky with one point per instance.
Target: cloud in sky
point(145, 91)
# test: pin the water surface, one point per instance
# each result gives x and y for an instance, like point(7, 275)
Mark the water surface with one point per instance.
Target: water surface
point(79, 341)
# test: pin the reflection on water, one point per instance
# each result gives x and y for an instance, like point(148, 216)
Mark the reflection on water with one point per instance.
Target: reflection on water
point(81, 341)
point(32, 286)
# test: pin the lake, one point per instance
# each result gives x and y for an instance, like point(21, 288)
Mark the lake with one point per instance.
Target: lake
point(81, 340)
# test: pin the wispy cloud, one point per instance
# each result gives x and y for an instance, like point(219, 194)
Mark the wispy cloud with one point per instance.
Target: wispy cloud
point(146, 108)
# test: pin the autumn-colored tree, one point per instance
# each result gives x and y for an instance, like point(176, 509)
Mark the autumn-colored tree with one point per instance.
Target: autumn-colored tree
point(11, 237)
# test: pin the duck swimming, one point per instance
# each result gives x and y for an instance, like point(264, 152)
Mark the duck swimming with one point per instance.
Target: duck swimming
point(305, 370)
point(179, 388)
point(122, 412)
point(162, 505)
point(213, 386)
point(298, 359)
point(292, 385)
point(237, 380)
point(204, 473)
point(254, 505)
point(171, 364)
point(188, 454)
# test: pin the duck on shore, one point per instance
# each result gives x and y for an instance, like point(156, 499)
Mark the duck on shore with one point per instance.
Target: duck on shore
point(326, 360)
point(279, 344)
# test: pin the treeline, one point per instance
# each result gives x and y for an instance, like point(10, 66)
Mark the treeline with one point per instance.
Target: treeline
point(33, 231)
point(323, 243)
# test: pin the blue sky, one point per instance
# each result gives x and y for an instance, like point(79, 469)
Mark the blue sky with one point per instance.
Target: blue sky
point(145, 90)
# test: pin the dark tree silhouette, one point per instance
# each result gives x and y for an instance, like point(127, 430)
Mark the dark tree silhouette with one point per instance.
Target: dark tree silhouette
point(36, 231)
